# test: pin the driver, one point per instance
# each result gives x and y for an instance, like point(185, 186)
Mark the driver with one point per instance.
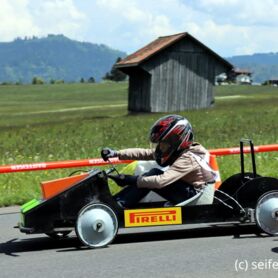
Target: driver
point(173, 146)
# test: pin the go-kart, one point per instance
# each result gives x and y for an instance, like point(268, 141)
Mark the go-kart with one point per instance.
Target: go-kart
point(85, 204)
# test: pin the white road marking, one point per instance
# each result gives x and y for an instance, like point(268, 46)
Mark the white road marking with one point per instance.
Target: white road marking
point(229, 97)
point(70, 109)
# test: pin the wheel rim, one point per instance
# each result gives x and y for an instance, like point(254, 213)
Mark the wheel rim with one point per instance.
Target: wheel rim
point(267, 213)
point(97, 225)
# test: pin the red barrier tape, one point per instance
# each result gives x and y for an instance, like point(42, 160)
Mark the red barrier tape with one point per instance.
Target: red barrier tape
point(257, 149)
point(100, 162)
point(59, 164)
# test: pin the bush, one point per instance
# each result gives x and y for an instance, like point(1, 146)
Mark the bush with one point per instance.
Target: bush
point(60, 81)
point(37, 81)
point(91, 80)
point(115, 74)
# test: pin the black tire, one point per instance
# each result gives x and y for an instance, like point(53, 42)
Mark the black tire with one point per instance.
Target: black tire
point(235, 182)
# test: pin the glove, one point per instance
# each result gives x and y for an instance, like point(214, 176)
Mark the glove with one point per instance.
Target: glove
point(123, 180)
point(107, 153)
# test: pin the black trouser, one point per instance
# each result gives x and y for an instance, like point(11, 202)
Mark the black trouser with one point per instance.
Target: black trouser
point(175, 192)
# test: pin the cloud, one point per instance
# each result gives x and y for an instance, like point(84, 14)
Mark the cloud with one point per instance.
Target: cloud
point(229, 27)
point(15, 20)
point(143, 18)
point(235, 27)
point(38, 17)
point(133, 23)
point(223, 39)
point(57, 16)
point(240, 12)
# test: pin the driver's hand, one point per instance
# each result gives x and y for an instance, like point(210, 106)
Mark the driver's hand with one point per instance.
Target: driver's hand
point(123, 180)
point(107, 153)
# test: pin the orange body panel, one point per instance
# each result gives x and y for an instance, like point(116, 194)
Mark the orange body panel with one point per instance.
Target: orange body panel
point(213, 164)
point(54, 187)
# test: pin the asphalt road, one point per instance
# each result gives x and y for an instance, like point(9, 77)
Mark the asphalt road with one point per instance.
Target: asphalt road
point(198, 251)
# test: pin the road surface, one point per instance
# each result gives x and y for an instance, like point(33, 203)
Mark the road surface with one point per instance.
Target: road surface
point(198, 251)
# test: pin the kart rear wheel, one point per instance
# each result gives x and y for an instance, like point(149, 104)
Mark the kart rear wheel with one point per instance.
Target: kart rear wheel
point(266, 213)
point(96, 225)
point(232, 184)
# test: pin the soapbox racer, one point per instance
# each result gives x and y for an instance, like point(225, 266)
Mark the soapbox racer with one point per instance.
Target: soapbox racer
point(84, 203)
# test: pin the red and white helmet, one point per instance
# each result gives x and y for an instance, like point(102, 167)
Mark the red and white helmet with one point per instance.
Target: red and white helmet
point(170, 135)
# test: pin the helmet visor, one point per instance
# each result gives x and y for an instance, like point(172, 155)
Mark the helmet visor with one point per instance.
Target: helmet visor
point(162, 146)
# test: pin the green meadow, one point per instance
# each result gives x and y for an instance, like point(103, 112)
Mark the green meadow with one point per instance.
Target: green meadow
point(74, 121)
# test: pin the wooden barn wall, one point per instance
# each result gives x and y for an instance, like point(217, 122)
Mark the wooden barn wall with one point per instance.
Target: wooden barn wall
point(182, 77)
point(139, 90)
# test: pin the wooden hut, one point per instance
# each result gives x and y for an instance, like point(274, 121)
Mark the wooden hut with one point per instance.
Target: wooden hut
point(172, 73)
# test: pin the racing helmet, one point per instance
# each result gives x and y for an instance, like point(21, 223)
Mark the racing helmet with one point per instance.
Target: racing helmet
point(170, 136)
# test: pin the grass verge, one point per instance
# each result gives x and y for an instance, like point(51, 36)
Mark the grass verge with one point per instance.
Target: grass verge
point(49, 123)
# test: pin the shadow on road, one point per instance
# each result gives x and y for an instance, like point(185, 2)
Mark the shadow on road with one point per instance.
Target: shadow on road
point(16, 246)
point(210, 231)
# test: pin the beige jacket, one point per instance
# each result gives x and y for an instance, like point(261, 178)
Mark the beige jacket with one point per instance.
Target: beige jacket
point(185, 168)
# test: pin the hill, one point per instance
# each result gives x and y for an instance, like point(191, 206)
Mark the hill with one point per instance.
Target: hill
point(54, 57)
point(263, 65)
point(58, 57)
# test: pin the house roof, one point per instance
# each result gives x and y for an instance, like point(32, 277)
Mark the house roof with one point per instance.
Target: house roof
point(241, 71)
point(158, 45)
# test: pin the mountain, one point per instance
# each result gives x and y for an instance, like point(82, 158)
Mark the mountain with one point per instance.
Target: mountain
point(60, 58)
point(54, 57)
point(264, 66)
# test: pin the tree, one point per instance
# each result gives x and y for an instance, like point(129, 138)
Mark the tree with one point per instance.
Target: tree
point(106, 76)
point(59, 81)
point(82, 80)
point(115, 74)
point(91, 80)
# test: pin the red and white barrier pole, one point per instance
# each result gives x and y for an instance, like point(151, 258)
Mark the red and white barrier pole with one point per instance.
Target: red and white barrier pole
point(257, 149)
point(100, 162)
point(59, 164)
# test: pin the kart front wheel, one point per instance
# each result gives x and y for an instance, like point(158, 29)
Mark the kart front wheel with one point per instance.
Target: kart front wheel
point(96, 225)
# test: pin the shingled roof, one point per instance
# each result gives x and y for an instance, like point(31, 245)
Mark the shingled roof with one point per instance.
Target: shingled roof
point(156, 46)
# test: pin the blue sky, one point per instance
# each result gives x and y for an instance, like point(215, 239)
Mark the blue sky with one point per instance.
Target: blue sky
point(229, 27)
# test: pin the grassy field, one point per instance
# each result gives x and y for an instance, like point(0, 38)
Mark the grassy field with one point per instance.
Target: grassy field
point(74, 121)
